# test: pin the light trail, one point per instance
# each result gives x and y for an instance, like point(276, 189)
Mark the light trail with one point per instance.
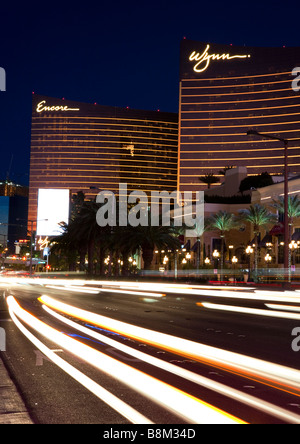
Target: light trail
point(137, 293)
point(227, 391)
point(278, 376)
point(114, 402)
point(251, 311)
point(233, 292)
point(75, 289)
point(94, 290)
point(189, 408)
point(283, 307)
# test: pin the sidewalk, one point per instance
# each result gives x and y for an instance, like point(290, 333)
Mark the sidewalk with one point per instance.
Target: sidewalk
point(12, 407)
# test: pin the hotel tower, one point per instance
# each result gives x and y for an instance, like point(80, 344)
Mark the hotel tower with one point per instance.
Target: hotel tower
point(224, 92)
point(90, 148)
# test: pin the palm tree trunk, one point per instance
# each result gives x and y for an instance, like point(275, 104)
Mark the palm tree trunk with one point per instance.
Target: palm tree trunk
point(91, 247)
point(222, 257)
point(256, 256)
point(101, 258)
point(82, 254)
point(125, 264)
point(117, 266)
point(290, 251)
point(147, 254)
point(198, 253)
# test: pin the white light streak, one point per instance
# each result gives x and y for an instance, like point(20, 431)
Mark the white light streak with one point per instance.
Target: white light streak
point(282, 377)
point(117, 404)
point(187, 407)
point(137, 293)
point(75, 289)
point(283, 307)
point(251, 311)
point(237, 395)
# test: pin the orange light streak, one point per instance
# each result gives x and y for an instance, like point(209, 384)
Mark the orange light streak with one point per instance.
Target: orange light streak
point(281, 377)
point(184, 405)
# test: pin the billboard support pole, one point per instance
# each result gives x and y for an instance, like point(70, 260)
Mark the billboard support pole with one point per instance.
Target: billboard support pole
point(31, 249)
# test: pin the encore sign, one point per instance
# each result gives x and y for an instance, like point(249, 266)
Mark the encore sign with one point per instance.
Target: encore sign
point(203, 60)
point(41, 107)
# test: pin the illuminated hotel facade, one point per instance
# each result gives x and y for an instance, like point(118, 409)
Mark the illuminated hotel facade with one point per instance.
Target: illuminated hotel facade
point(224, 92)
point(90, 147)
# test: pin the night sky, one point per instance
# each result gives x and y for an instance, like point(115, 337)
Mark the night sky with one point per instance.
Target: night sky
point(115, 53)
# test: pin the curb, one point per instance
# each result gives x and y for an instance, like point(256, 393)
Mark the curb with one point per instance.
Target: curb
point(12, 407)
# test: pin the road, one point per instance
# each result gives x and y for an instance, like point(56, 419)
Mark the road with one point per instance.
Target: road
point(177, 355)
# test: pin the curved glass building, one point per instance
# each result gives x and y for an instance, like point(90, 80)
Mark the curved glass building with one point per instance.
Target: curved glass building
point(224, 92)
point(90, 147)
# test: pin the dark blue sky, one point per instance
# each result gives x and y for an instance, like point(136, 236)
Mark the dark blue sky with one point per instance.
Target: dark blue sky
point(115, 53)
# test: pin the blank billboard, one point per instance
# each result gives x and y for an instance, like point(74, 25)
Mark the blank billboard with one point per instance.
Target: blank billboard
point(53, 209)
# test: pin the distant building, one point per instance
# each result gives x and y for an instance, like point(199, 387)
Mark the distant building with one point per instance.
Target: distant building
point(9, 188)
point(13, 220)
point(13, 213)
point(90, 147)
point(226, 90)
point(231, 184)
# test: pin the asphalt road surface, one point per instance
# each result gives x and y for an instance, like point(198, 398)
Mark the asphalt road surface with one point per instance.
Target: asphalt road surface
point(199, 354)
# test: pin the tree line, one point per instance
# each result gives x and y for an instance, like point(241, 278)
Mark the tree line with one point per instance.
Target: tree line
point(84, 241)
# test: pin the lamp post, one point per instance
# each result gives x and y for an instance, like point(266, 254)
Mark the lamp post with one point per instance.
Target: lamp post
point(292, 248)
point(234, 261)
point(188, 257)
point(31, 240)
point(207, 261)
point(249, 250)
point(286, 191)
point(268, 260)
point(216, 256)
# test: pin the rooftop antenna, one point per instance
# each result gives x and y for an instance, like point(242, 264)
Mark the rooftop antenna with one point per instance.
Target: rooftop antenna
point(9, 170)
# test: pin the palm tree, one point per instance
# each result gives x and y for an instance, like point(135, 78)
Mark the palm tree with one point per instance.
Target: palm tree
point(82, 237)
point(222, 221)
point(96, 238)
point(293, 212)
point(87, 230)
point(259, 217)
point(209, 179)
point(148, 238)
point(68, 245)
point(226, 168)
point(293, 208)
point(199, 228)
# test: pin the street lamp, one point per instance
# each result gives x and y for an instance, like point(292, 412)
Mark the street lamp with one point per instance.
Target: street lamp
point(31, 245)
point(292, 248)
point(249, 250)
point(286, 191)
point(216, 254)
point(31, 239)
point(234, 261)
point(268, 260)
